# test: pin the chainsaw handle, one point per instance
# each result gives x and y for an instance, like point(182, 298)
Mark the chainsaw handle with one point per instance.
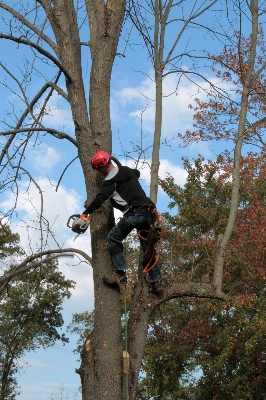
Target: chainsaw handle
point(85, 217)
point(72, 217)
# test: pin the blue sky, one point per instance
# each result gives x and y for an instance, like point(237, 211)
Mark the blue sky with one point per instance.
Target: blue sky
point(132, 91)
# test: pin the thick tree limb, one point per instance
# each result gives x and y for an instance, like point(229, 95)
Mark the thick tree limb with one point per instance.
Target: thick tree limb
point(189, 289)
point(59, 90)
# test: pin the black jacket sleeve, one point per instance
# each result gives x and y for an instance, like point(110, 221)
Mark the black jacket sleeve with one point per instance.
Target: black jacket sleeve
point(106, 191)
point(136, 172)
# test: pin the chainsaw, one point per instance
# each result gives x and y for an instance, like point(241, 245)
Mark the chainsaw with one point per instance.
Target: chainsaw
point(80, 223)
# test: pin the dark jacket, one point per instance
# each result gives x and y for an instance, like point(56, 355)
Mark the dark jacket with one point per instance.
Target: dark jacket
point(123, 189)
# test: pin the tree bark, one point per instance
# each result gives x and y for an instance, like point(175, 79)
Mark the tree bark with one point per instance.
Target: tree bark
point(102, 361)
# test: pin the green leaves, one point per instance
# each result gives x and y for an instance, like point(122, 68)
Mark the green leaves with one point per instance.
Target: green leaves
point(9, 242)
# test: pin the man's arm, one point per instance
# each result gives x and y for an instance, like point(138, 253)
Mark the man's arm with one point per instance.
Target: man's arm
point(136, 172)
point(106, 191)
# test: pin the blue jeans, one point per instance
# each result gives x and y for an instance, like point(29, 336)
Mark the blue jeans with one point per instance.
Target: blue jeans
point(117, 235)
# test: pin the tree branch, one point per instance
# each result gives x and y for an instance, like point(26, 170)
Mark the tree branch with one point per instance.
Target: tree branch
point(23, 267)
point(189, 289)
point(23, 116)
point(59, 90)
point(57, 134)
point(183, 29)
point(31, 26)
point(40, 50)
point(57, 186)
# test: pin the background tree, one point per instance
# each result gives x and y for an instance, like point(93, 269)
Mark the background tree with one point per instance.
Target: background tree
point(223, 341)
point(243, 67)
point(30, 312)
point(155, 20)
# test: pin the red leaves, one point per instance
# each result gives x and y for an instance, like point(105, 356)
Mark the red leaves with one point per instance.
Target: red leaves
point(217, 117)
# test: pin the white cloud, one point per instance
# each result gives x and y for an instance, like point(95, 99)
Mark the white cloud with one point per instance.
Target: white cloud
point(177, 116)
point(26, 362)
point(59, 115)
point(43, 158)
point(58, 206)
point(176, 171)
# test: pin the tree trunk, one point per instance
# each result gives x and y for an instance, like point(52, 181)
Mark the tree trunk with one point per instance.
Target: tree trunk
point(155, 163)
point(101, 370)
point(158, 72)
point(247, 84)
point(102, 362)
point(140, 312)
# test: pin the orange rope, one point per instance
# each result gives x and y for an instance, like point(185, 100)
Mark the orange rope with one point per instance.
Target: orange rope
point(143, 238)
point(148, 267)
point(157, 217)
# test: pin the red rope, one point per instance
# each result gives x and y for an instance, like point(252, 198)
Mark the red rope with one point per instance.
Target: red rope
point(148, 268)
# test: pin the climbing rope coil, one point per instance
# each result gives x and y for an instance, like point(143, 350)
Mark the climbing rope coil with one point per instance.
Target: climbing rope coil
point(154, 235)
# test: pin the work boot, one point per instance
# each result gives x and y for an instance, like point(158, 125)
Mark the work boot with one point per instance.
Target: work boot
point(118, 277)
point(156, 287)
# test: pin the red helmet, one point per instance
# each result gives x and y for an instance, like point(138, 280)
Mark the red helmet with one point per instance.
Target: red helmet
point(100, 159)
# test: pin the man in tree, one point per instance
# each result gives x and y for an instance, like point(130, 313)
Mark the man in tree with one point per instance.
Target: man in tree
point(122, 187)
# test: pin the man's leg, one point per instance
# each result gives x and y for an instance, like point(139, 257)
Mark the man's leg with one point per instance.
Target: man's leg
point(115, 238)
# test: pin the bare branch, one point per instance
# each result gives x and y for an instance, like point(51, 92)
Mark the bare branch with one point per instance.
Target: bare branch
point(189, 289)
point(23, 267)
point(20, 86)
point(59, 90)
point(57, 134)
point(24, 115)
point(19, 167)
point(18, 16)
point(40, 50)
point(187, 22)
point(57, 186)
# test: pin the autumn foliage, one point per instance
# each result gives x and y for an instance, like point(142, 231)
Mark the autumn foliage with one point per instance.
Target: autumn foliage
point(224, 341)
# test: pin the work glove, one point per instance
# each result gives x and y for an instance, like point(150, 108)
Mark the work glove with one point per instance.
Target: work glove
point(85, 217)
